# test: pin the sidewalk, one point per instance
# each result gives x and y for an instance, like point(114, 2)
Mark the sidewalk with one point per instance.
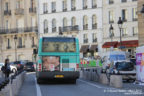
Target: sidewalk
point(28, 88)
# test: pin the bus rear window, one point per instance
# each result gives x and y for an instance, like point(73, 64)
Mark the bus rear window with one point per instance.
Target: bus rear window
point(59, 44)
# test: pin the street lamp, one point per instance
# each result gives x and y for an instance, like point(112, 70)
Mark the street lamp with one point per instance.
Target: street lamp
point(120, 23)
point(111, 34)
point(15, 39)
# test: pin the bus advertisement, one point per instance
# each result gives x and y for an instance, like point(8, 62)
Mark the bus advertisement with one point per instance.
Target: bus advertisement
point(58, 59)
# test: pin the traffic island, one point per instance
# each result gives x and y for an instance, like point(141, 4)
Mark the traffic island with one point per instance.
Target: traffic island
point(12, 87)
point(116, 81)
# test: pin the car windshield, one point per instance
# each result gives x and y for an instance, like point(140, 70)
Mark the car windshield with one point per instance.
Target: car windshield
point(29, 63)
point(125, 66)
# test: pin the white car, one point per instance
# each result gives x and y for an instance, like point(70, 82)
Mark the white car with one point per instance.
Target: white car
point(12, 68)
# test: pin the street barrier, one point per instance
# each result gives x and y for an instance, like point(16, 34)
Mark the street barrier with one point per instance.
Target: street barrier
point(12, 85)
point(116, 81)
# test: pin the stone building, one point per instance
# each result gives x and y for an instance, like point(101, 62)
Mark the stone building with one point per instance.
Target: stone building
point(80, 18)
point(18, 29)
point(140, 23)
point(127, 10)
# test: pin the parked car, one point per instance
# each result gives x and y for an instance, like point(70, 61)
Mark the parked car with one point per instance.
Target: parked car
point(124, 68)
point(29, 66)
point(13, 69)
point(18, 64)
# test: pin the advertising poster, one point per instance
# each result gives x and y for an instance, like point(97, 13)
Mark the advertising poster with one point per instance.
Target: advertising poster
point(51, 63)
point(140, 66)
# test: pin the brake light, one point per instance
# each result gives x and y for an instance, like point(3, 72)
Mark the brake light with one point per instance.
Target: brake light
point(40, 67)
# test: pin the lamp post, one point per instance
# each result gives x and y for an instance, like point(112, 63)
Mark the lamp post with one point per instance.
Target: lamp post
point(15, 39)
point(120, 23)
point(111, 34)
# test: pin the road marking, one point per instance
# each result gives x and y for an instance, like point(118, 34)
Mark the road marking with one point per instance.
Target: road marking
point(89, 83)
point(38, 88)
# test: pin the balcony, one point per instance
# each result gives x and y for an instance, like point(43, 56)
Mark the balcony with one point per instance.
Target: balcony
point(123, 0)
point(19, 30)
point(33, 46)
point(54, 29)
point(111, 1)
point(54, 10)
point(32, 10)
point(94, 6)
point(135, 19)
point(69, 28)
point(85, 27)
point(20, 46)
point(65, 9)
point(111, 22)
point(85, 7)
point(85, 40)
point(19, 11)
point(7, 12)
point(45, 12)
point(94, 40)
point(124, 20)
point(94, 26)
point(73, 8)
point(8, 47)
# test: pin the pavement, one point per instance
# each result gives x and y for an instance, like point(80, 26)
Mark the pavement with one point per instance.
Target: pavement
point(81, 88)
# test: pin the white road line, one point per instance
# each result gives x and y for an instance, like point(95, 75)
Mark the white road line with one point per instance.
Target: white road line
point(38, 88)
point(90, 83)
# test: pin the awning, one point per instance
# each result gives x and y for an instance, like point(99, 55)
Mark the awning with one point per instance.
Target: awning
point(93, 48)
point(84, 48)
point(131, 43)
point(110, 44)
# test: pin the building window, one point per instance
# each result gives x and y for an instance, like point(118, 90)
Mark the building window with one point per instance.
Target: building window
point(53, 7)
point(45, 26)
point(64, 22)
point(85, 38)
point(123, 1)
point(111, 1)
point(6, 6)
point(135, 31)
point(45, 10)
point(33, 43)
point(94, 4)
point(85, 4)
point(124, 32)
point(94, 22)
point(73, 21)
point(32, 4)
point(94, 38)
point(85, 23)
point(134, 14)
point(17, 4)
point(7, 25)
point(64, 5)
point(73, 6)
point(54, 25)
point(134, 0)
point(111, 16)
point(124, 15)
point(20, 43)
point(8, 44)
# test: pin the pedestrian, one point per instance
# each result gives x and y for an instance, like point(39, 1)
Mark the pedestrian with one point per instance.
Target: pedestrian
point(6, 68)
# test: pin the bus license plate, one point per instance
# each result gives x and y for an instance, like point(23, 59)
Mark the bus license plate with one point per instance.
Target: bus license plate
point(59, 76)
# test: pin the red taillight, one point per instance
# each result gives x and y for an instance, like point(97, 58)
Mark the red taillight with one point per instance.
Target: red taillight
point(40, 67)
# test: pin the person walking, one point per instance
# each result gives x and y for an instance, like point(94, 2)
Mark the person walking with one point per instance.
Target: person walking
point(7, 68)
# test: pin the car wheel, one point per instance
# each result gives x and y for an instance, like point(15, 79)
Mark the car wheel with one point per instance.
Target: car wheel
point(13, 70)
point(39, 81)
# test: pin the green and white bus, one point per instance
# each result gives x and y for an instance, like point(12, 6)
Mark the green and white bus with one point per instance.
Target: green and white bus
point(58, 59)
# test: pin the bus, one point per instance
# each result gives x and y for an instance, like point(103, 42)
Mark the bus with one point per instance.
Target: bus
point(57, 59)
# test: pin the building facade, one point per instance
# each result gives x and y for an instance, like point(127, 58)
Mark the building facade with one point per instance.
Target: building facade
point(18, 29)
point(80, 18)
point(140, 23)
point(127, 10)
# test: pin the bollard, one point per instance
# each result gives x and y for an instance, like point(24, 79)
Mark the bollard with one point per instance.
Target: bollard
point(116, 81)
point(103, 79)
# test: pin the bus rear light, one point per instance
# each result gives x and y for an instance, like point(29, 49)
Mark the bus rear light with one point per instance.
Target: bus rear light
point(40, 67)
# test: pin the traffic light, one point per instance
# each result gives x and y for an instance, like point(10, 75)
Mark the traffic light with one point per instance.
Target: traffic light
point(35, 51)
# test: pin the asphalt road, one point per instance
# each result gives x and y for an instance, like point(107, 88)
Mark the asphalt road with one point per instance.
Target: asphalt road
point(82, 88)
